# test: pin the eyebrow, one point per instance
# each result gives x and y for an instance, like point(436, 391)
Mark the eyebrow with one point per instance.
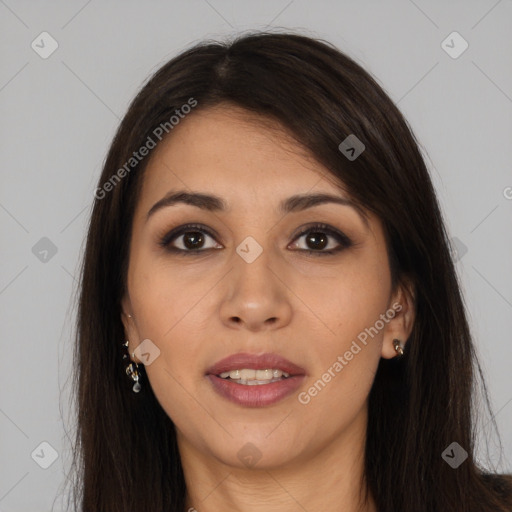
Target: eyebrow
point(214, 203)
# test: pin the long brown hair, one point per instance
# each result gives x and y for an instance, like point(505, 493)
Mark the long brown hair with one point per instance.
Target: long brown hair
point(125, 454)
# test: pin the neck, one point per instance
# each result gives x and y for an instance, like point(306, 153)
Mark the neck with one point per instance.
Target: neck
point(332, 479)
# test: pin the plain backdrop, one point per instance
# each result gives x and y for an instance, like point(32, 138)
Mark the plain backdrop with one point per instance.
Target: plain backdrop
point(59, 113)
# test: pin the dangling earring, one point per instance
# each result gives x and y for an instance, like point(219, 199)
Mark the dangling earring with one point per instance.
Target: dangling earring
point(398, 347)
point(132, 371)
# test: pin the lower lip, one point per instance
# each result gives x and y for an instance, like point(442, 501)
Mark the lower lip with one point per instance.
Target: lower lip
point(258, 395)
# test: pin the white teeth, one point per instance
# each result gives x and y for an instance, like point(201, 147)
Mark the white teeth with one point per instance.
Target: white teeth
point(263, 374)
point(252, 377)
point(246, 374)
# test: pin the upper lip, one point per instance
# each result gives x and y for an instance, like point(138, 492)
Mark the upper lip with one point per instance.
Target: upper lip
point(255, 361)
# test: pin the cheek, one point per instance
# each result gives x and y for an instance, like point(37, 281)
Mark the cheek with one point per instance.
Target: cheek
point(170, 314)
point(347, 355)
point(347, 299)
point(166, 294)
point(168, 307)
point(346, 330)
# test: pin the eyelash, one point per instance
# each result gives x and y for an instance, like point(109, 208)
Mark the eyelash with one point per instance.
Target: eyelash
point(341, 238)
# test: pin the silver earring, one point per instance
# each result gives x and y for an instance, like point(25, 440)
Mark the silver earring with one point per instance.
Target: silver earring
point(132, 369)
point(398, 347)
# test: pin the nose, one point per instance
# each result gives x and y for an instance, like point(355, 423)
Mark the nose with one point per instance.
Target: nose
point(255, 298)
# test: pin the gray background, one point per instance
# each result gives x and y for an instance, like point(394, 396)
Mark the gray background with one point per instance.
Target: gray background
point(60, 113)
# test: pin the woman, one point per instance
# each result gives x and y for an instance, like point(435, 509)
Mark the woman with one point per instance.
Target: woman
point(269, 313)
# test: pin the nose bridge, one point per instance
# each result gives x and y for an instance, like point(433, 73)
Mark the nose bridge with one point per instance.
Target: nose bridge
point(252, 272)
point(255, 296)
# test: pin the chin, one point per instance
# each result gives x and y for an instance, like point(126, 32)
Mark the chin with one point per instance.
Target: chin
point(257, 450)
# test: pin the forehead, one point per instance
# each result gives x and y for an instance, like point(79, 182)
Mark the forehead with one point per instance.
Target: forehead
point(234, 152)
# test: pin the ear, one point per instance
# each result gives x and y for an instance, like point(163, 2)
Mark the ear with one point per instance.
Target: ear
point(130, 328)
point(402, 303)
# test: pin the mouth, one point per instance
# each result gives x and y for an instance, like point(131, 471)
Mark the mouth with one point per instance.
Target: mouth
point(255, 380)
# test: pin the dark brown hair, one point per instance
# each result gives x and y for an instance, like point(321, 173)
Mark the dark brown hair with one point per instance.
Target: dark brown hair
point(126, 457)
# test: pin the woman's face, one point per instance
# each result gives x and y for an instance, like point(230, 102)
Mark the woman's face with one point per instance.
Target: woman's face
point(252, 288)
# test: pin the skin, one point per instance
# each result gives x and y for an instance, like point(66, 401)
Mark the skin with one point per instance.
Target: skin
point(198, 309)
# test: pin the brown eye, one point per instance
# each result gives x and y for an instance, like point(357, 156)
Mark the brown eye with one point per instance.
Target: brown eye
point(193, 239)
point(188, 239)
point(321, 239)
point(317, 240)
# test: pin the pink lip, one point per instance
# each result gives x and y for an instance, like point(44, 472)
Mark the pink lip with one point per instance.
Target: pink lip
point(256, 362)
point(259, 395)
